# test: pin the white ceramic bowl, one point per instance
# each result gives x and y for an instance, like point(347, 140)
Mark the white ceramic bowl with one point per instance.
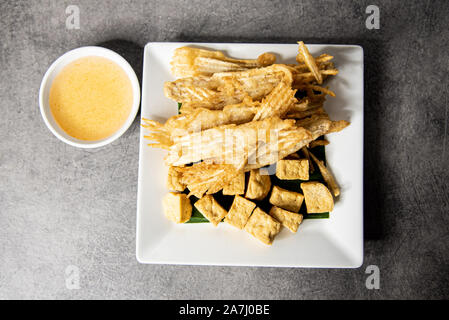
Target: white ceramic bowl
point(53, 71)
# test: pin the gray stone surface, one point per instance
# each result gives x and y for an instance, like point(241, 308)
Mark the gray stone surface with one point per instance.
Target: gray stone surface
point(62, 206)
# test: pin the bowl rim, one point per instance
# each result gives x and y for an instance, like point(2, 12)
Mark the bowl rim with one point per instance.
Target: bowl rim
point(63, 61)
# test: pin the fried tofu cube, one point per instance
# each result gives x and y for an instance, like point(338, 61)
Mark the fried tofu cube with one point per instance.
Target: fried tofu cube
point(293, 169)
point(174, 180)
point(317, 197)
point(177, 207)
point(262, 226)
point(259, 184)
point(240, 212)
point(237, 185)
point(286, 199)
point(210, 209)
point(288, 219)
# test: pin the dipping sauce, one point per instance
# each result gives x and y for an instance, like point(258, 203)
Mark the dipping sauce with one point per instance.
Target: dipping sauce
point(91, 98)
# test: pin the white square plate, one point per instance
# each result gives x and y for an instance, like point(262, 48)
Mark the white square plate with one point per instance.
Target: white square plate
point(336, 242)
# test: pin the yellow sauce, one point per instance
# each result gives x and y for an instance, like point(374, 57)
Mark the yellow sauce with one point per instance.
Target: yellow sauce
point(91, 98)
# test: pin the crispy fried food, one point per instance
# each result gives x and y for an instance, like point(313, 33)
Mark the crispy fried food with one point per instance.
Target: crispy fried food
point(306, 107)
point(174, 180)
point(304, 77)
point(322, 59)
point(201, 92)
point(317, 143)
point(306, 154)
point(226, 88)
point(158, 134)
point(339, 125)
point(327, 176)
point(234, 144)
point(255, 83)
point(203, 119)
point(303, 114)
point(247, 146)
point(203, 177)
point(286, 199)
point(293, 169)
point(183, 61)
point(210, 209)
point(197, 119)
point(308, 77)
point(290, 220)
point(188, 62)
point(277, 103)
point(290, 141)
point(239, 116)
point(248, 102)
point(236, 186)
point(317, 197)
point(318, 125)
point(177, 207)
point(266, 59)
point(259, 184)
point(287, 142)
point(240, 211)
point(311, 88)
point(310, 62)
point(262, 226)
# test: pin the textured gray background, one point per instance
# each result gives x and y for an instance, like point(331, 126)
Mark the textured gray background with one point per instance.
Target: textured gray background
point(62, 206)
